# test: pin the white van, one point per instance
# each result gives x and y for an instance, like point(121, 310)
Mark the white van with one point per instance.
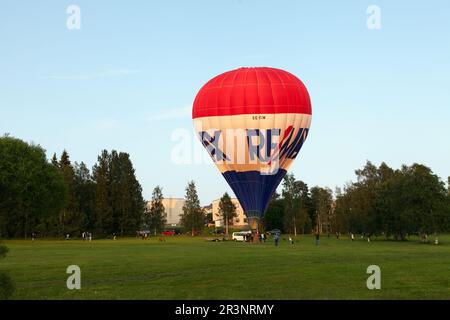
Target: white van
point(241, 235)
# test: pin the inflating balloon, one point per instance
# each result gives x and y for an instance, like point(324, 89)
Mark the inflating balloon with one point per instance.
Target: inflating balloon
point(253, 122)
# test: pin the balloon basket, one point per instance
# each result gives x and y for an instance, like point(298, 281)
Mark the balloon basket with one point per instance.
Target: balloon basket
point(254, 226)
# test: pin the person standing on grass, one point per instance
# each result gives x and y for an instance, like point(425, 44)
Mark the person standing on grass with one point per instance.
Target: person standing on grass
point(352, 236)
point(317, 238)
point(275, 238)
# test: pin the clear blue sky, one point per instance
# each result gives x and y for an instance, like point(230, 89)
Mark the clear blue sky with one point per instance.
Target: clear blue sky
point(127, 79)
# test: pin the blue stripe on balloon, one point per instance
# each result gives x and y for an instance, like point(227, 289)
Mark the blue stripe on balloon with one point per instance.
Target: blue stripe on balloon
point(253, 189)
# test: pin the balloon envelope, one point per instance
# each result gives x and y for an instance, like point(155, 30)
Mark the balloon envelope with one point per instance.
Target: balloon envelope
point(253, 122)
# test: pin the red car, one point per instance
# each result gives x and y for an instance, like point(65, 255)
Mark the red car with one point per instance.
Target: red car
point(169, 233)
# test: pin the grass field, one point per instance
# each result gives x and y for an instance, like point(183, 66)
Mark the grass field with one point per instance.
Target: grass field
point(191, 268)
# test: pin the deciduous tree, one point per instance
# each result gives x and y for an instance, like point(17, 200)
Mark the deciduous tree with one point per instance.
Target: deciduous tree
point(32, 191)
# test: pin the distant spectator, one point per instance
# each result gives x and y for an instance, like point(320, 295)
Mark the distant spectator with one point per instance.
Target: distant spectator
point(275, 238)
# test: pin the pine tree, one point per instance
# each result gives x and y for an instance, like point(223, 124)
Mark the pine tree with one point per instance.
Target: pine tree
point(156, 215)
point(115, 195)
point(103, 219)
point(125, 194)
point(55, 161)
point(119, 205)
point(84, 188)
point(132, 203)
point(228, 210)
point(69, 220)
point(193, 217)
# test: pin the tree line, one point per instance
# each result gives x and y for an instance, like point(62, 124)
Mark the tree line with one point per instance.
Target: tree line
point(56, 198)
point(59, 197)
point(382, 201)
point(394, 203)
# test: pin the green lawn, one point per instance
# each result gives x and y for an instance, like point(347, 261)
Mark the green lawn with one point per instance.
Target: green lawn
point(191, 268)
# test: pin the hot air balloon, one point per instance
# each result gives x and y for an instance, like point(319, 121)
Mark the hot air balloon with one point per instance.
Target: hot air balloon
point(253, 122)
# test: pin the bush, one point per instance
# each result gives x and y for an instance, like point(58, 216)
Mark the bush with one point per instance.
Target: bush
point(6, 284)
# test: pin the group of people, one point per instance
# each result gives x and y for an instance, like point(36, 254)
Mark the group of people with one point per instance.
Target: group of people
point(86, 236)
point(143, 235)
point(262, 237)
point(251, 237)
